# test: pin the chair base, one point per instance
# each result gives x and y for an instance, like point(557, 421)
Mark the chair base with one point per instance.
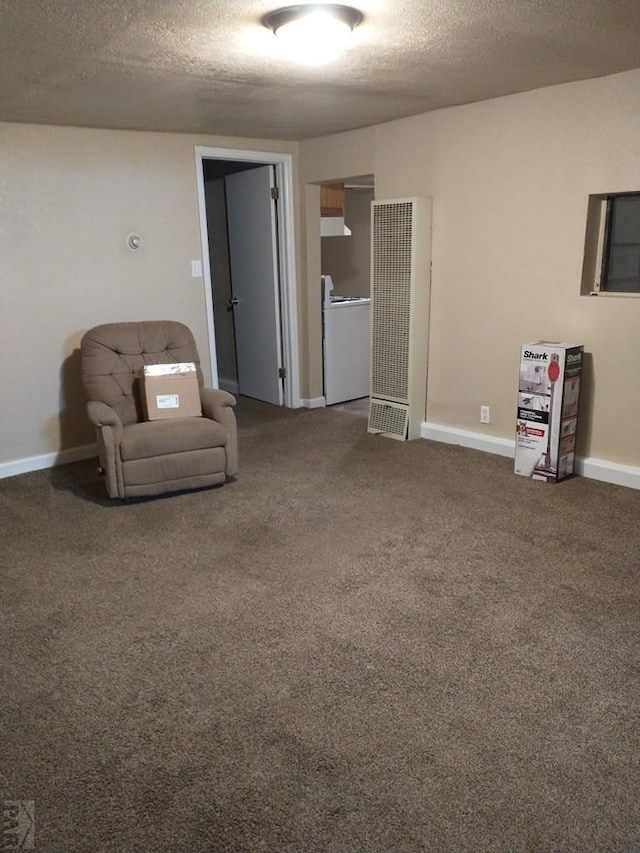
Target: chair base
point(174, 472)
point(182, 485)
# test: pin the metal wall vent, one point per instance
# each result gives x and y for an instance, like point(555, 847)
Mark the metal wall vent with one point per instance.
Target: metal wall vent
point(392, 419)
point(400, 288)
point(391, 299)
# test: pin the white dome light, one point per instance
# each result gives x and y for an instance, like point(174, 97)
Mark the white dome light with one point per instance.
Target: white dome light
point(313, 34)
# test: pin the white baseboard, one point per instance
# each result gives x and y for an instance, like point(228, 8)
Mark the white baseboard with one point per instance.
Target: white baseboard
point(466, 438)
point(313, 403)
point(47, 460)
point(608, 472)
point(586, 466)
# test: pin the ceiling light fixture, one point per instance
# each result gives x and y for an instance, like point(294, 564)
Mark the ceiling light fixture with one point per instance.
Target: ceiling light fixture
point(315, 33)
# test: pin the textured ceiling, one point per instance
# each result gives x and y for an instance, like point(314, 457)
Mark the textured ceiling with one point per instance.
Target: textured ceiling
point(210, 66)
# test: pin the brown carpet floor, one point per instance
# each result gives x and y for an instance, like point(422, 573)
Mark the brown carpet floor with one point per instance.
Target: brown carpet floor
point(359, 645)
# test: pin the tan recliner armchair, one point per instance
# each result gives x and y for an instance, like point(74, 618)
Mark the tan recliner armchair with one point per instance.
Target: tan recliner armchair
point(140, 457)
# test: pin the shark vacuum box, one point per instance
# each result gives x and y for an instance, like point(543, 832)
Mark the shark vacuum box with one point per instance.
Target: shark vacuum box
point(548, 397)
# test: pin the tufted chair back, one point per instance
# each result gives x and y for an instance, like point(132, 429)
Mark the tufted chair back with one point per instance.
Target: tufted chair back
point(114, 353)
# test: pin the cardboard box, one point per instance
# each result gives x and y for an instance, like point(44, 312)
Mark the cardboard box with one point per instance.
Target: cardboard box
point(548, 396)
point(170, 391)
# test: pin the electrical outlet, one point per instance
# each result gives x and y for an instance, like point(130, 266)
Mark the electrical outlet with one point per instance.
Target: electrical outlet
point(485, 415)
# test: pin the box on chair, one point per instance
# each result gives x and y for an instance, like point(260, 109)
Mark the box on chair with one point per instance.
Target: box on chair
point(170, 391)
point(548, 397)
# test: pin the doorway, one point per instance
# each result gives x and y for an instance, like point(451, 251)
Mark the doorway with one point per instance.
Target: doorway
point(345, 257)
point(282, 334)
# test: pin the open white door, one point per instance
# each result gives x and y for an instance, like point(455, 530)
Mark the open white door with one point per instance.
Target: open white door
point(253, 253)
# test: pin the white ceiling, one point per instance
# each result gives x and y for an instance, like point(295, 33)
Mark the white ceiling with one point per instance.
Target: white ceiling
point(210, 66)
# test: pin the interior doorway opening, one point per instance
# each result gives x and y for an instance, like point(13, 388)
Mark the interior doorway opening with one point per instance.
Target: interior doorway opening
point(215, 173)
point(345, 257)
point(274, 330)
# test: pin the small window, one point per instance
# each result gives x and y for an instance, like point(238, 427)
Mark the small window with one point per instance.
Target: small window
point(621, 261)
point(612, 246)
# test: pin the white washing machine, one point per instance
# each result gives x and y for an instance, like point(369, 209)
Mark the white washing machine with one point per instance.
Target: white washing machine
point(346, 345)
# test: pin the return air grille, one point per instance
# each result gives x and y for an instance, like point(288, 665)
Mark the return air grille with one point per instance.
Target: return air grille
point(391, 280)
point(388, 418)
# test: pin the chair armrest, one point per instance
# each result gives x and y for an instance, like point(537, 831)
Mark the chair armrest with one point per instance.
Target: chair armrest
point(218, 406)
point(106, 420)
point(100, 414)
point(109, 434)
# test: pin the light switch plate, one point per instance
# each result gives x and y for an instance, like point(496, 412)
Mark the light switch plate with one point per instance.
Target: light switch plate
point(196, 269)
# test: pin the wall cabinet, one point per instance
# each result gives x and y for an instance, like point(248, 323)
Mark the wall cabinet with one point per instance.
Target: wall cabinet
point(332, 199)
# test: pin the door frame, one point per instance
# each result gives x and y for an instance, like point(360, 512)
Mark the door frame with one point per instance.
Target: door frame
point(283, 164)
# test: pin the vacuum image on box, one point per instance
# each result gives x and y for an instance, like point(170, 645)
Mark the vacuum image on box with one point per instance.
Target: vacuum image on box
point(548, 397)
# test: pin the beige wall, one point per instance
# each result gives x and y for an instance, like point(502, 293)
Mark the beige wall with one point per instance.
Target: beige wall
point(510, 179)
point(70, 197)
